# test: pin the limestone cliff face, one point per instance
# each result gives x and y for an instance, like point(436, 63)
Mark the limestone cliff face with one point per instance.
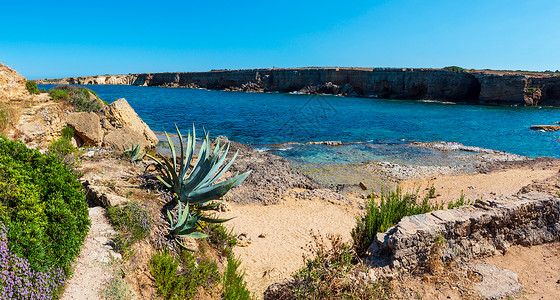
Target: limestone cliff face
point(474, 88)
point(12, 85)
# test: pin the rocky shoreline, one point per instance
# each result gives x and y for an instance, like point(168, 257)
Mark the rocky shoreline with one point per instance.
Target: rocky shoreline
point(472, 87)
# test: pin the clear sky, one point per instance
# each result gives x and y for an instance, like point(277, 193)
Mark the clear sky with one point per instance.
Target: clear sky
point(51, 39)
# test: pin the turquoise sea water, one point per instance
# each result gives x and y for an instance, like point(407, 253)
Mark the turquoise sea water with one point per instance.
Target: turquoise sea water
point(269, 118)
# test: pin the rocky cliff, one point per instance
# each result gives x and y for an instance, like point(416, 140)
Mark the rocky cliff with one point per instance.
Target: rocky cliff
point(12, 85)
point(470, 87)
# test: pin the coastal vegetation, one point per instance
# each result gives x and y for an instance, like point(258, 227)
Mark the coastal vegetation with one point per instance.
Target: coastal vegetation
point(331, 272)
point(62, 146)
point(195, 190)
point(82, 99)
point(44, 220)
point(392, 207)
point(134, 154)
point(32, 87)
point(132, 222)
point(187, 274)
point(454, 69)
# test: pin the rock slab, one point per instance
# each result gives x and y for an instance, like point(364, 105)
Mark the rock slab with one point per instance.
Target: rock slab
point(497, 283)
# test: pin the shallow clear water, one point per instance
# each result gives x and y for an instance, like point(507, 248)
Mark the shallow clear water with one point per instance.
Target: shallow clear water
point(259, 118)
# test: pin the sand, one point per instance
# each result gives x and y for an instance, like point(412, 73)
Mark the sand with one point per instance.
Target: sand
point(286, 229)
point(479, 186)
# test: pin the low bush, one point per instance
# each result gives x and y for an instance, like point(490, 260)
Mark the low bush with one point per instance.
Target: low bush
point(19, 281)
point(133, 223)
point(58, 94)
point(454, 69)
point(392, 208)
point(32, 87)
point(43, 208)
point(234, 286)
point(330, 273)
point(221, 238)
point(81, 98)
point(174, 284)
point(459, 202)
point(62, 146)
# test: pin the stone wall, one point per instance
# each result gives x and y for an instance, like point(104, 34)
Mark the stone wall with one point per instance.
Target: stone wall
point(470, 231)
point(437, 84)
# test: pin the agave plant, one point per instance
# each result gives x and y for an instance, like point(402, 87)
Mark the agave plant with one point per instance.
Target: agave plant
point(188, 221)
point(197, 186)
point(134, 153)
point(194, 187)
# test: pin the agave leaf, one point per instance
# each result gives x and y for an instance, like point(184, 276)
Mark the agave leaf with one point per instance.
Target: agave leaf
point(241, 178)
point(209, 193)
point(203, 206)
point(215, 167)
point(195, 235)
point(181, 144)
point(170, 217)
point(211, 220)
point(173, 154)
point(222, 171)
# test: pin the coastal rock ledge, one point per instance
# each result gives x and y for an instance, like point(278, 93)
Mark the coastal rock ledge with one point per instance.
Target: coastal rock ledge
point(470, 231)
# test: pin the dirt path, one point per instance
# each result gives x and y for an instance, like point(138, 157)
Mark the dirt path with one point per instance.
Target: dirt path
point(92, 269)
point(538, 268)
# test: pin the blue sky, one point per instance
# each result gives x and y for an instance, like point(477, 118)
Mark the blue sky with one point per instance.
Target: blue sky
point(61, 39)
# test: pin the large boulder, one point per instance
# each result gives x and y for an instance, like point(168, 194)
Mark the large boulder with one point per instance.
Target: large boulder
point(87, 126)
point(12, 85)
point(128, 128)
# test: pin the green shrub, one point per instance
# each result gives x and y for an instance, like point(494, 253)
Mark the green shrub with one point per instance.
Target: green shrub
point(459, 202)
point(133, 223)
point(378, 218)
point(32, 87)
point(42, 205)
point(62, 146)
point(58, 94)
point(172, 284)
point(454, 69)
point(392, 208)
point(221, 238)
point(81, 98)
point(327, 275)
point(234, 286)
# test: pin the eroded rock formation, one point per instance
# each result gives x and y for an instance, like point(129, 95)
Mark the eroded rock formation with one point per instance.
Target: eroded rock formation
point(12, 85)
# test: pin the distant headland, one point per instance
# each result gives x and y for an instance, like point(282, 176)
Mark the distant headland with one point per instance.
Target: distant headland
point(454, 84)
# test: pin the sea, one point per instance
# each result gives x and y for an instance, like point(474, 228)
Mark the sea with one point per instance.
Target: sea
point(371, 129)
